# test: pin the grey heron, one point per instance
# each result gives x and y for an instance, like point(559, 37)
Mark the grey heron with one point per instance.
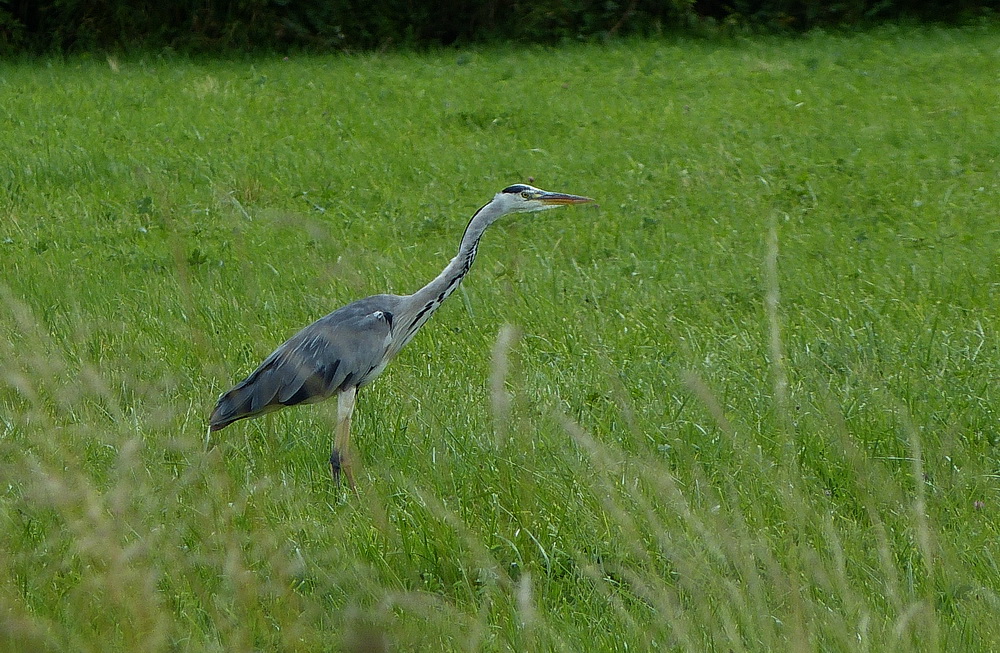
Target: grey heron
point(348, 348)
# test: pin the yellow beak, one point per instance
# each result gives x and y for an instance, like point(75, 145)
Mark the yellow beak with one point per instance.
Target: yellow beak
point(563, 198)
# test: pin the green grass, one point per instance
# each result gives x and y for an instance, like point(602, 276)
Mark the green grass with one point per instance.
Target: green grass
point(747, 404)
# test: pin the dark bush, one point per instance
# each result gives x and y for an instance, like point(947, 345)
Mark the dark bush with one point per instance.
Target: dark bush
point(208, 25)
point(807, 14)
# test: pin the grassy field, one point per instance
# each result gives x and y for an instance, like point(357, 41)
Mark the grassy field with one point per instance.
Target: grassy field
point(748, 403)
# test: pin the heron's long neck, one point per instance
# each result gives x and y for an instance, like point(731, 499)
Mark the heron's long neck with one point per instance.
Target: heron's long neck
point(419, 306)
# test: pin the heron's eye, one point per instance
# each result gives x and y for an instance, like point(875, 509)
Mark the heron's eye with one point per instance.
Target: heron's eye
point(525, 194)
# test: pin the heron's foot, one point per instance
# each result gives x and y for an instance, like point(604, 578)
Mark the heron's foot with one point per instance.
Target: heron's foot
point(340, 464)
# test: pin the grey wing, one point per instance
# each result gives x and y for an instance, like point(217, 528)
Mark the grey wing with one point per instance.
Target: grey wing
point(344, 349)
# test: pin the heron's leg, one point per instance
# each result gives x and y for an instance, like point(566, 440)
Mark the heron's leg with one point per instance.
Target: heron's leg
point(340, 457)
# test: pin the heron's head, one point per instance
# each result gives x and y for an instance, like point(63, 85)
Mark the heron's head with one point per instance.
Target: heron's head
point(522, 198)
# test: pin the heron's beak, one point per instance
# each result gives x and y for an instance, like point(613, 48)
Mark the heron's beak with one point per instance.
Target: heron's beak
point(562, 198)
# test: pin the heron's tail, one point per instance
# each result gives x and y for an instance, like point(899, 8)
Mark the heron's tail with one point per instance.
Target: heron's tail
point(234, 405)
point(271, 386)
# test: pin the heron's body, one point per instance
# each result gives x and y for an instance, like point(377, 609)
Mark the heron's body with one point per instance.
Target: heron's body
point(348, 348)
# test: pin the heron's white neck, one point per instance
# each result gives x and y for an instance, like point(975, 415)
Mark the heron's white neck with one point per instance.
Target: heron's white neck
point(418, 307)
